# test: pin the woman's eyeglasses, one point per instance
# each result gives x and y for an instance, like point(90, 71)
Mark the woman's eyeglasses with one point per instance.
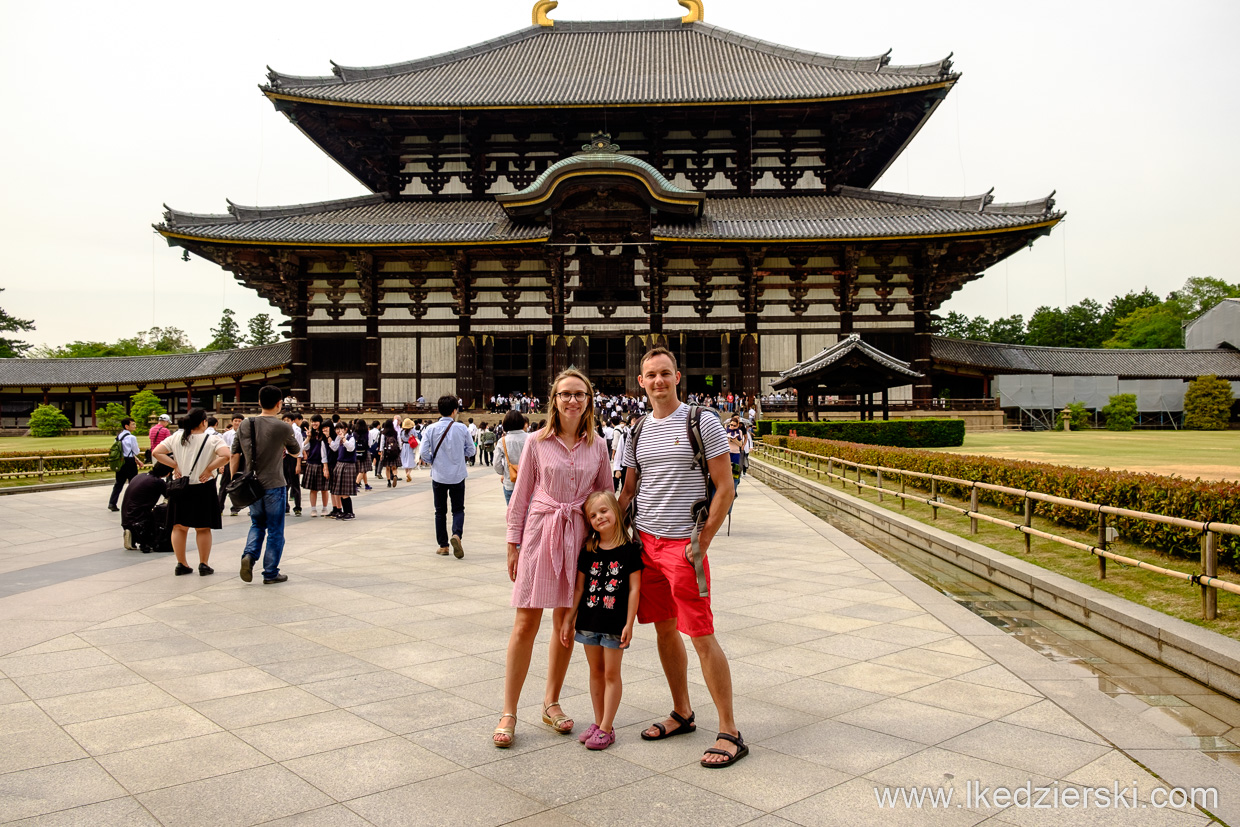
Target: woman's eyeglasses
point(573, 396)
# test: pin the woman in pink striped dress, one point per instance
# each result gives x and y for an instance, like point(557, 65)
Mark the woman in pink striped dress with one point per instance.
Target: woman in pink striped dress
point(560, 466)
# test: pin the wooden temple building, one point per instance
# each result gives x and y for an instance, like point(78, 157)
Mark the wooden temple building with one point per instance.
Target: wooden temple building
point(574, 192)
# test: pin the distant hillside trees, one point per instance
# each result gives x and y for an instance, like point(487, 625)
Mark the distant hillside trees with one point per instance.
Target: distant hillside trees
point(1133, 320)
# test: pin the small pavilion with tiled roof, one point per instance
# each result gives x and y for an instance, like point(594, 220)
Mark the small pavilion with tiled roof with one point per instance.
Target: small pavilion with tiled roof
point(848, 368)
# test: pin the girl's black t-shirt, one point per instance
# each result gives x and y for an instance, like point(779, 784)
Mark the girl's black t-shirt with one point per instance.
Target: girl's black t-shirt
point(604, 607)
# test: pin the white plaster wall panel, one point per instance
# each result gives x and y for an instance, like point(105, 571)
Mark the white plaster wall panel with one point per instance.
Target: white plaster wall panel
point(425, 330)
point(777, 352)
point(432, 389)
point(812, 343)
point(350, 392)
point(323, 391)
point(439, 314)
point(398, 391)
point(900, 394)
point(398, 356)
point(439, 355)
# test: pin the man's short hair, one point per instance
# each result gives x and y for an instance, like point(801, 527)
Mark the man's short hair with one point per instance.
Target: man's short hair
point(236, 417)
point(447, 405)
point(269, 396)
point(287, 417)
point(659, 351)
point(125, 421)
point(212, 422)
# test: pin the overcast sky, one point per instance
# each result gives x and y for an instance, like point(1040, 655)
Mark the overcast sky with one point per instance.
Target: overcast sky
point(1128, 110)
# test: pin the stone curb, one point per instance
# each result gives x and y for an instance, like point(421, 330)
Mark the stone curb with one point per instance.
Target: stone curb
point(53, 486)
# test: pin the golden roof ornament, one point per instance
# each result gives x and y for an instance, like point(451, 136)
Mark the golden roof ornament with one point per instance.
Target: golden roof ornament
point(542, 7)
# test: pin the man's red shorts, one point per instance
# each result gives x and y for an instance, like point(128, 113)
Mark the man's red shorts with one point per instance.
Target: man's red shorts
point(670, 589)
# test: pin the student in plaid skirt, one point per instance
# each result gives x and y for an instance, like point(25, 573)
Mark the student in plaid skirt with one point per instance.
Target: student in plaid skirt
point(315, 476)
point(343, 482)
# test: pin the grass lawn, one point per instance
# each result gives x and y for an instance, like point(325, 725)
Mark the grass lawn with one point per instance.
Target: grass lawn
point(1170, 596)
point(33, 446)
point(1211, 455)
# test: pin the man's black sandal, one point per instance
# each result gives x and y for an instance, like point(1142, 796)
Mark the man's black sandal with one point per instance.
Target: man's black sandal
point(686, 726)
point(741, 752)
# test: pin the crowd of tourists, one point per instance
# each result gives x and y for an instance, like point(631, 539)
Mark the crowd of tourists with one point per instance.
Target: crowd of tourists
point(611, 510)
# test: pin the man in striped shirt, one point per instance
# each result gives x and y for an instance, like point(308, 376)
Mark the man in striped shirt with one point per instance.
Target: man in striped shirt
point(671, 599)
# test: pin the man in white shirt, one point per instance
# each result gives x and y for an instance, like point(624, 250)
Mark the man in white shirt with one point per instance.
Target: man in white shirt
point(130, 464)
point(473, 435)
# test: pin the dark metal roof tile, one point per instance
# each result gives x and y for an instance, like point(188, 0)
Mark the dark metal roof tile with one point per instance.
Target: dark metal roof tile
point(128, 370)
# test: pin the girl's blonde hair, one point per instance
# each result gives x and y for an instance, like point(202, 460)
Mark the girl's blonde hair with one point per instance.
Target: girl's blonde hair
point(624, 532)
point(585, 428)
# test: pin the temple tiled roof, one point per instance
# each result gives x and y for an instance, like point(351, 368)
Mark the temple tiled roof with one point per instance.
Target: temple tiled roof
point(1063, 361)
point(130, 370)
point(613, 62)
point(372, 219)
point(847, 346)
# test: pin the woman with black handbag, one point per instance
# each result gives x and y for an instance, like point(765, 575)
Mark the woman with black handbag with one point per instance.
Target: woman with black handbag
point(194, 456)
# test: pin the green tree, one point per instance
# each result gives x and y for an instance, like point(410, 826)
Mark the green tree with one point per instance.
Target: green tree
point(228, 335)
point(1199, 294)
point(1075, 326)
point(109, 417)
point(1148, 327)
point(143, 405)
point(48, 420)
point(954, 325)
point(261, 331)
point(1121, 412)
point(1008, 331)
point(12, 348)
point(1207, 404)
point(1077, 413)
point(1120, 307)
point(154, 342)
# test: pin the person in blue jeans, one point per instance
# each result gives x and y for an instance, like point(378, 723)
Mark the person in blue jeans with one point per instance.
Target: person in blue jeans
point(445, 446)
point(263, 441)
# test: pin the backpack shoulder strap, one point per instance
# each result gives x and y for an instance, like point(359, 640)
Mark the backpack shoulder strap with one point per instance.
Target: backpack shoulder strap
point(633, 437)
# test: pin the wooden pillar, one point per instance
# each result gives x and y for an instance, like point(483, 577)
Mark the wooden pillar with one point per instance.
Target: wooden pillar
point(634, 349)
point(579, 353)
point(886, 405)
point(299, 366)
point(814, 390)
point(466, 365)
point(557, 356)
point(368, 288)
point(237, 390)
point(46, 391)
point(189, 397)
point(93, 423)
point(751, 365)
point(486, 370)
point(725, 364)
point(923, 388)
point(529, 367)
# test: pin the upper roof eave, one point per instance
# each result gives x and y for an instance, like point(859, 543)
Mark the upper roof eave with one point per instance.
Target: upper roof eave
point(296, 87)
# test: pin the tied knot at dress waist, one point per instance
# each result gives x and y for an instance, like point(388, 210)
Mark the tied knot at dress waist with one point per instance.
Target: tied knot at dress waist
point(562, 531)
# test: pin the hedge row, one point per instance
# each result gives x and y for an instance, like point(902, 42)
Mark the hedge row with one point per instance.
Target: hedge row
point(1171, 496)
point(9, 463)
point(903, 433)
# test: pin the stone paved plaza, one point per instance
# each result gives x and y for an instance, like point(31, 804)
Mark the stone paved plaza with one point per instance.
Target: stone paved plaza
point(365, 689)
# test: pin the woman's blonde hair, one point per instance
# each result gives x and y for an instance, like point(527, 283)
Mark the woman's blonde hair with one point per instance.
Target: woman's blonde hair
point(624, 532)
point(585, 428)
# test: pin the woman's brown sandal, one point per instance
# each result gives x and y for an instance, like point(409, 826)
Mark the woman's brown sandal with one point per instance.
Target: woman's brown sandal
point(557, 722)
point(509, 731)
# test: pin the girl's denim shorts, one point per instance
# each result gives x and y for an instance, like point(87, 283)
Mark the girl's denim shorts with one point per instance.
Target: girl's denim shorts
point(598, 639)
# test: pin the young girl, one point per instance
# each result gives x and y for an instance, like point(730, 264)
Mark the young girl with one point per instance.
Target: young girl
point(609, 579)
